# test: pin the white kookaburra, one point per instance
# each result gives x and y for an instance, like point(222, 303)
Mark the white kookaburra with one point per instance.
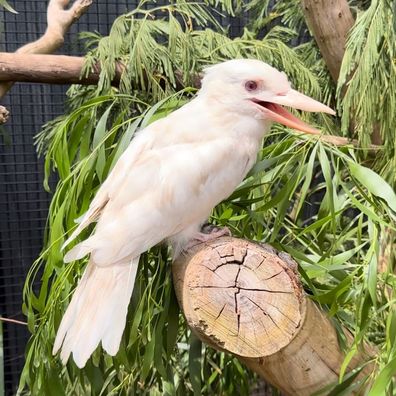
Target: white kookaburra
point(165, 186)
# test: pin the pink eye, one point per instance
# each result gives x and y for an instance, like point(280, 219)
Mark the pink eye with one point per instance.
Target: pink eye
point(250, 85)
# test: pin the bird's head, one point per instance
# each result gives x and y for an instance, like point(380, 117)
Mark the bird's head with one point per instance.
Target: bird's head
point(253, 88)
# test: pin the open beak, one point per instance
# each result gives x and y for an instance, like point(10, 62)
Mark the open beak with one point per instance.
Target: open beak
point(272, 109)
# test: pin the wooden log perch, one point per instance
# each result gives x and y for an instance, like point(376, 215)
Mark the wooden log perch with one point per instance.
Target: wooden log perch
point(245, 298)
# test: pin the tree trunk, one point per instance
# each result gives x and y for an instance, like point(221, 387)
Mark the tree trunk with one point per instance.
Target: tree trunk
point(245, 298)
point(329, 22)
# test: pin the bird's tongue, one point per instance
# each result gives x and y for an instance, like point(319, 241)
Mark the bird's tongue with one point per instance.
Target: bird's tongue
point(279, 114)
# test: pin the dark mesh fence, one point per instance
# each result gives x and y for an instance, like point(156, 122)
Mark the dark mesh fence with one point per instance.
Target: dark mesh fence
point(23, 201)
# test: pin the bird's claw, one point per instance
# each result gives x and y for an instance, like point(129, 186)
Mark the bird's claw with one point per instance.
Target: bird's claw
point(208, 233)
point(211, 231)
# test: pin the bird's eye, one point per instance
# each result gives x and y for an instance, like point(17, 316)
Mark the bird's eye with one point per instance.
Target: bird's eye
point(250, 85)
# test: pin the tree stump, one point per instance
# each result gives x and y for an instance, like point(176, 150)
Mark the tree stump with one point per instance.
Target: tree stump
point(245, 298)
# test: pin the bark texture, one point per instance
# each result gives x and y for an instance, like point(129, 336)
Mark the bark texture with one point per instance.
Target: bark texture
point(50, 69)
point(245, 298)
point(329, 22)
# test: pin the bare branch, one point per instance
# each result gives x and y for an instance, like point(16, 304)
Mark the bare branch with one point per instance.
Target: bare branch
point(61, 69)
point(341, 141)
point(2, 319)
point(50, 69)
point(59, 21)
point(330, 22)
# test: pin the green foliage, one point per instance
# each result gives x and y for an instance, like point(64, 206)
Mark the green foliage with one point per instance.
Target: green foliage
point(313, 200)
point(174, 52)
point(6, 5)
point(369, 68)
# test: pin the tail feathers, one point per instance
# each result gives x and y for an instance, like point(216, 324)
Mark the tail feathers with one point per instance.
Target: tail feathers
point(97, 312)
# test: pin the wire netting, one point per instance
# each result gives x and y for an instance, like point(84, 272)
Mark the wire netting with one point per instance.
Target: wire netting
point(23, 201)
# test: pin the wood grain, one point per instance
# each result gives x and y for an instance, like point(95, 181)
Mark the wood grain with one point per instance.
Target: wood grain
point(247, 299)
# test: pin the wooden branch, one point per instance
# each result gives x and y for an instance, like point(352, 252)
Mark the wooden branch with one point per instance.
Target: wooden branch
point(4, 113)
point(245, 298)
point(51, 69)
point(61, 69)
point(9, 320)
point(59, 21)
point(329, 22)
point(340, 141)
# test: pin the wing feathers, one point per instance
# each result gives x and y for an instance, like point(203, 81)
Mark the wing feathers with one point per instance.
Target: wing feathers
point(89, 217)
point(80, 250)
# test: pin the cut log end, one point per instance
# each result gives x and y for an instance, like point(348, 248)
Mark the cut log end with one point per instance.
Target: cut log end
point(240, 296)
point(245, 298)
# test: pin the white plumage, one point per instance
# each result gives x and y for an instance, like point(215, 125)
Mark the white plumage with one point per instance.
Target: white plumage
point(164, 187)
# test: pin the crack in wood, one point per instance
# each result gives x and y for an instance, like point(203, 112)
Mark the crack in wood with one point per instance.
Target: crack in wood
point(266, 290)
point(221, 311)
point(297, 325)
point(226, 255)
point(236, 300)
point(214, 272)
point(227, 263)
point(261, 262)
point(242, 260)
point(240, 288)
point(263, 326)
point(273, 276)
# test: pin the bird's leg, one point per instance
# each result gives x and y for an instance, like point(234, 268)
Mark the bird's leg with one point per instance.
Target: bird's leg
point(208, 233)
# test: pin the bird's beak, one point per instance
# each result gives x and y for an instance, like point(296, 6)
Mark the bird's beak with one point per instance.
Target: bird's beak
point(272, 109)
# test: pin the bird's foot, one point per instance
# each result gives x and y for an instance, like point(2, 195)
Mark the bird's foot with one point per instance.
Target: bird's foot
point(211, 231)
point(208, 233)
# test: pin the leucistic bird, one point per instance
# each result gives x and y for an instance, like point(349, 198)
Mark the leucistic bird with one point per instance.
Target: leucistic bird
point(165, 186)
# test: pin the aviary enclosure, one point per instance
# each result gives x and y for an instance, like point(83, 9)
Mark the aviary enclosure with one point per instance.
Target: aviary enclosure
point(301, 296)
